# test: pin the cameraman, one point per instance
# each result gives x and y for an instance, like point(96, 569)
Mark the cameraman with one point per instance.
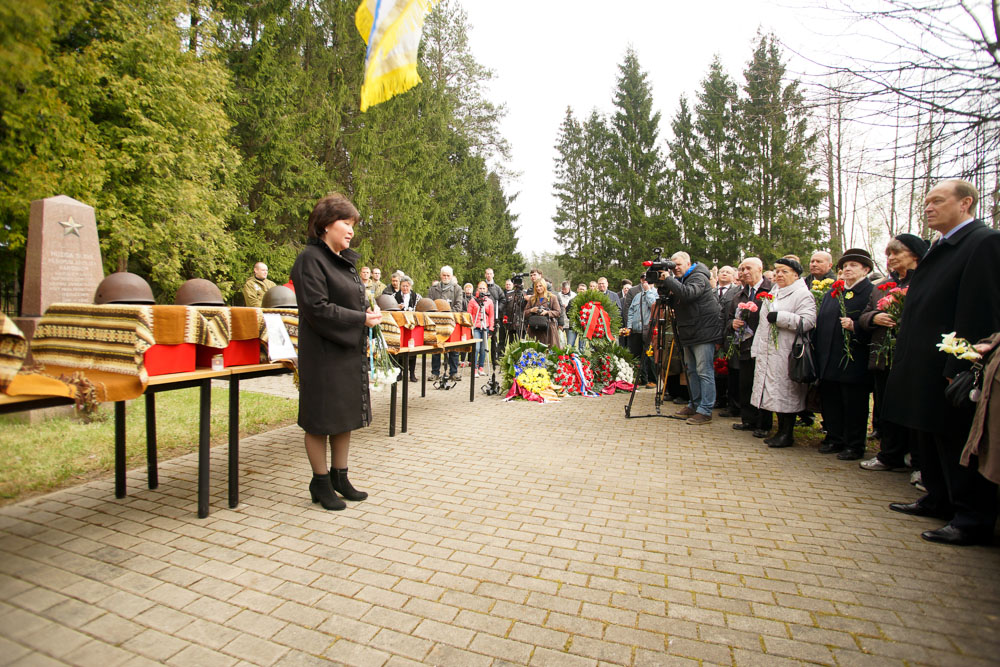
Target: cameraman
point(698, 323)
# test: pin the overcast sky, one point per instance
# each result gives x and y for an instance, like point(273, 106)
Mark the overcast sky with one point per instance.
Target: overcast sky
point(550, 55)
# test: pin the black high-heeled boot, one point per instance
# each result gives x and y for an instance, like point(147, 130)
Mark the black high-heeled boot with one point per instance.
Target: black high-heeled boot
point(321, 490)
point(342, 485)
point(786, 427)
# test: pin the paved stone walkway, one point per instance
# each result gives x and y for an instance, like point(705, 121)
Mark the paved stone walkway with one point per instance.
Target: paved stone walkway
point(499, 534)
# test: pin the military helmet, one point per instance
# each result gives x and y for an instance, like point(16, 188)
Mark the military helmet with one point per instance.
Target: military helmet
point(199, 292)
point(124, 287)
point(279, 296)
point(442, 305)
point(426, 305)
point(387, 302)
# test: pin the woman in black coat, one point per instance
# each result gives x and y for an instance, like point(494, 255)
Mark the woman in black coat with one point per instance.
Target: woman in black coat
point(333, 369)
point(845, 382)
point(902, 254)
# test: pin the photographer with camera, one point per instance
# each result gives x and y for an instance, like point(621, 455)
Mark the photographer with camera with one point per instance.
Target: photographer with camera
point(698, 325)
point(541, 315)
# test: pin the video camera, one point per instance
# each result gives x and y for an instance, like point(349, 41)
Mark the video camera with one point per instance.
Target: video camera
point(656, 266)
point(518, 278)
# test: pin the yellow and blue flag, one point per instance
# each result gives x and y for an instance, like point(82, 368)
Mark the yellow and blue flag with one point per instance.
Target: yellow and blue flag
point(392, 29)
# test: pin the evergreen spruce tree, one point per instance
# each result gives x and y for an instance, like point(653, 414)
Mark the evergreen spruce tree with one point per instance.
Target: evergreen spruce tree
point(684, 187)
point(571, 224)
point(721, 228)
point(782, 193)
point(636, 172)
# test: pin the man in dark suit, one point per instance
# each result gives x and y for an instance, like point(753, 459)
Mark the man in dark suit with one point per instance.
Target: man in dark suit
point(727, 396)
point(751, 276)
point(953, 289)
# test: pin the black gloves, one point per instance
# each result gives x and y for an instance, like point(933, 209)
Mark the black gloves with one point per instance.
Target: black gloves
point(772, 316)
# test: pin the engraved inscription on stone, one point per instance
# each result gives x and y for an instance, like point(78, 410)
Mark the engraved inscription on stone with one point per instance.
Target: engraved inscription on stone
point(63, 259)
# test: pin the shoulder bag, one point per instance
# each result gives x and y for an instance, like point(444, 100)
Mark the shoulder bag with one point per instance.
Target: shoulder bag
point(801, 363)
point(966, 387)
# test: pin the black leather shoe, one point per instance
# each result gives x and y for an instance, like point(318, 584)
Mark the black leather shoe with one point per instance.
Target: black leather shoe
point(916, 509)
point(830, 448)
point(729, 414)
point(955, 536)
point(680, 401)
point(744, 427)
point(851, 455)
point(761, 433)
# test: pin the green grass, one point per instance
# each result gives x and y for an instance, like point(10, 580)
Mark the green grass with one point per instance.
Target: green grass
point(60, 452)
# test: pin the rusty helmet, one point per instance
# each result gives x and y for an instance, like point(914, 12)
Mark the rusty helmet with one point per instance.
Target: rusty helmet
point(199, 292)
point(124, 287)
point(279, 296)
point(426, 305)
point(387, 302)
point(442, 305)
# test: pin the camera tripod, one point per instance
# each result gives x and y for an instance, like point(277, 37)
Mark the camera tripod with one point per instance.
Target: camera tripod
point(661, 367)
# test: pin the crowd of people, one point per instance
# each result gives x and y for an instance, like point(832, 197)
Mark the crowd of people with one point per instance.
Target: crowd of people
point(860, 347)
point(753, 317)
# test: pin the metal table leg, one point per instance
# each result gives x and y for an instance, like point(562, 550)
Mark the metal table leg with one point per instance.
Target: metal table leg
point(392, 410)
point(406, 391)
point(152, 474)
point(234, 440)
point(204, 445)
point(119, 449)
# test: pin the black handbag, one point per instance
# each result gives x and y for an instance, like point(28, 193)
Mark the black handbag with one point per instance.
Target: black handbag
point(538, 322)
point(801, 362)
point(966, 387)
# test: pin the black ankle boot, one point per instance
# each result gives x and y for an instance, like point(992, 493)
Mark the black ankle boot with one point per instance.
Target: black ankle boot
point(785, 436)
point(342, 485)
point(321, 490)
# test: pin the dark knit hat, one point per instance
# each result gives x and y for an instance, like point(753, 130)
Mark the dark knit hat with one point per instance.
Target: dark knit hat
point(914, 243)
point(859, 255)
point(790, 263)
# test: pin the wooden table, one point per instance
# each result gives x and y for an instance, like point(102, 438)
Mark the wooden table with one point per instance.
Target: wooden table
point(404, 355)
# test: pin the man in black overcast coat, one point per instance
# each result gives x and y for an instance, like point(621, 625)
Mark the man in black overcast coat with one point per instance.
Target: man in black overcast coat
point(954, 288)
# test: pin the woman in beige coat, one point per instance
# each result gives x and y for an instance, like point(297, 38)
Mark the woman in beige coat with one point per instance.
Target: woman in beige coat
point(772, 388)
point(984, 437)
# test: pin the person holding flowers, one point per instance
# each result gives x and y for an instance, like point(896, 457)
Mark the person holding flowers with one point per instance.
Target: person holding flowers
point(334, 317)
point(743, 318)
point(781, 311)
point(842, 358)
point(954, 289)
point(902, 255)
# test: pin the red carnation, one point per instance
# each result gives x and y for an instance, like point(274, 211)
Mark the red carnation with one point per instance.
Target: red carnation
point(885, 287)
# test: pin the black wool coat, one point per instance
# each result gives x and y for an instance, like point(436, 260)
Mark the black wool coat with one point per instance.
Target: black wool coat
point(955, 288)
point(828, 338)
point(333, 366)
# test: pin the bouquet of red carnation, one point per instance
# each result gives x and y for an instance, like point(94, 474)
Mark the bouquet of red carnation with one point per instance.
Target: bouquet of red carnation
point(568, 378)
point(603, 370)
point(721, 365)
point(840, 292)
point(892, 305)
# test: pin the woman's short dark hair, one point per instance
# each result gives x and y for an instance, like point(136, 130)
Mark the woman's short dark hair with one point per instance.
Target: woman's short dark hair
point(328, 210)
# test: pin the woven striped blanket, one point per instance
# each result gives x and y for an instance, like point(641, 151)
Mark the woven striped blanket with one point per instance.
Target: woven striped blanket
point(109, 338)
point(13, 350)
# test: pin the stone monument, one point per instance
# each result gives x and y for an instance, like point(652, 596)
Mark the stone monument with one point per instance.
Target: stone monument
point(63, 258)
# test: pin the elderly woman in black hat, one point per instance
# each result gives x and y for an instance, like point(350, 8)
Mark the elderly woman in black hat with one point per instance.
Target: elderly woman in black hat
point(902, 255)
point(789, 303)
point(842, 357)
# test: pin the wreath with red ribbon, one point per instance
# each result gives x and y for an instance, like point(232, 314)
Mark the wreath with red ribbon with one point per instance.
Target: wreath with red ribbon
point(567, 376)
point(593, 315)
